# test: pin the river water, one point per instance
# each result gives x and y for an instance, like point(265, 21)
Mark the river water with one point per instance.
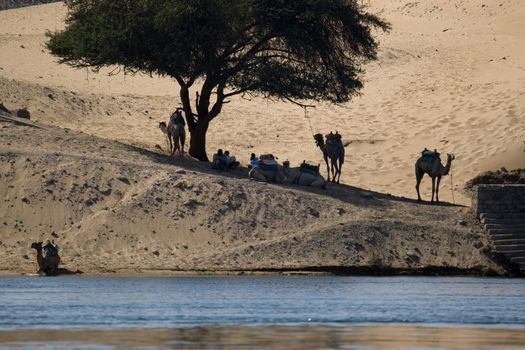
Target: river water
point(62, 311)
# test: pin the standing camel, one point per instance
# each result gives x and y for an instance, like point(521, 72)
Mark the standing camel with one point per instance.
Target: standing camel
point(164, 128)
point(176, 135)
point(333, 149)
point(47, 262)
point(432, 166)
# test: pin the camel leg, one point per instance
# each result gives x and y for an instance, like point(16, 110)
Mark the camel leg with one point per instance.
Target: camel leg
point(168, 135)
point(340, 169)
point(174, 148)
point(182, 140)
point(168, 143)
point(176, 144)
point(257, 176)
point(336, 172)
point(327, 167)
point(332, 165)
point(437, 189)
point(419, 176)
point(433, 189)
point(319, 183)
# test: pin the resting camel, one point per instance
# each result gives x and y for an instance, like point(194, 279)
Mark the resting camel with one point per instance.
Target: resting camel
point(302, 177)
point(266, 175)
point(433, 168)
point(47, 263)
point(176, 136)
point(333, 149)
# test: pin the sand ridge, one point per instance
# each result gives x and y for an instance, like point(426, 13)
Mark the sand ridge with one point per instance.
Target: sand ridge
point(113, 207)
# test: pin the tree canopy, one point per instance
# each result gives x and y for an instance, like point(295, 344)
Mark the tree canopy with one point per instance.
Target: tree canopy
point(295, 50)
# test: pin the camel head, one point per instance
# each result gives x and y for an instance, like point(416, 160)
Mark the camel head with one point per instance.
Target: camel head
point(36, 245)
point(319, 141)
point(451, 156)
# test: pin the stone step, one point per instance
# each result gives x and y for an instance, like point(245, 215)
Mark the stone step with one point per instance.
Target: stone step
point(506, 221)
point(518, 260)
point(510, 241)
point(514, 253)
point(505, 226)
point(501, 231)
point(507, 215)
point(510, 248)
point(504, 236)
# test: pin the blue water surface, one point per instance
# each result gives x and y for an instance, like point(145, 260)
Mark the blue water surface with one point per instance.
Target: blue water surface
point(101, 301)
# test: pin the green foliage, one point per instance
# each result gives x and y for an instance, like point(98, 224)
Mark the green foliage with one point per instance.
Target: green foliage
point(300, 50)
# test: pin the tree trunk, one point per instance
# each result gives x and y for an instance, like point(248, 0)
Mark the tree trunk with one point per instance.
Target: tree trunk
point(198, 142)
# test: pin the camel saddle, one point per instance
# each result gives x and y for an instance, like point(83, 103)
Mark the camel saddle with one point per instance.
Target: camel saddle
point(309, 168)
point(267, 162)
point(430, 156)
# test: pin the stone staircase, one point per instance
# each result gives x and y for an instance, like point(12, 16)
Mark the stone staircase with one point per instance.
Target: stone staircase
point(507, 231)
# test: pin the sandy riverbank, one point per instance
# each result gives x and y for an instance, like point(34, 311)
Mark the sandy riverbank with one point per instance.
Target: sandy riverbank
point(277, 337)
point(117, 208)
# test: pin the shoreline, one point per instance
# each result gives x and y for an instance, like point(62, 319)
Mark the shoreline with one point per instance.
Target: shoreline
point(343, 271)
point(314, 336)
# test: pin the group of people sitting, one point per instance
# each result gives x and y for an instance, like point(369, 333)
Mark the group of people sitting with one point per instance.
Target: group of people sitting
point(224, 161)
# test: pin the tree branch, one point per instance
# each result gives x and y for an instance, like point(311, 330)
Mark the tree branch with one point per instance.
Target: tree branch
point(216, 109)
point(298, 103)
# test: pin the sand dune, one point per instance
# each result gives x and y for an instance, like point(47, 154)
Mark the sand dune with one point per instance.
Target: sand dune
point(450, 76)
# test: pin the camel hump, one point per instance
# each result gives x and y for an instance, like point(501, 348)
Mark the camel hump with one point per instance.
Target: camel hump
point(430, 156)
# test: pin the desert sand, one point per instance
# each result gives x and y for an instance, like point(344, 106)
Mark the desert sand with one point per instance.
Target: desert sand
point(450, 76)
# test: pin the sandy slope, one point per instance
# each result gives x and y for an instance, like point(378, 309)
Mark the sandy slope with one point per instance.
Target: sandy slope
point(117, 208)
point(450, 76)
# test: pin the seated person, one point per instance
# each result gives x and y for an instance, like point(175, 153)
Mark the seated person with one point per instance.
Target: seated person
point(231, 161)
point(49, 248)
point(219, 161)
point(254, 161)
point(176, 117)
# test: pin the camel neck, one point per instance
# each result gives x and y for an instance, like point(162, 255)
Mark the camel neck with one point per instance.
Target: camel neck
point(446, 168)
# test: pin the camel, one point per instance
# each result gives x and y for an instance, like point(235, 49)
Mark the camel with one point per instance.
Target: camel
point(176, 136)
point(164, 128)
point(434, 169)
point(302, 177)
point(333, 149)
point(266, 175)
point(47, 263)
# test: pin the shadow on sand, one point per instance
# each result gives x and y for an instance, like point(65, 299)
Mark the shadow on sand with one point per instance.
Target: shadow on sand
point(345, 193)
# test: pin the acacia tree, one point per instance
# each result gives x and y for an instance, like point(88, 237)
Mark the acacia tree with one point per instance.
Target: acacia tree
point(295, 50)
